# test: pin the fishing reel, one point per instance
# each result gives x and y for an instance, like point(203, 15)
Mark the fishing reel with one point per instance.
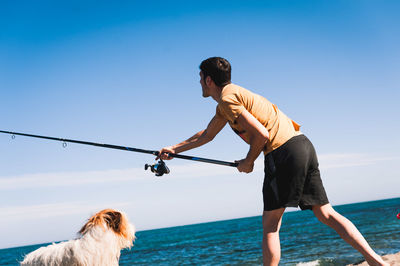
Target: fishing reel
point(159, 168)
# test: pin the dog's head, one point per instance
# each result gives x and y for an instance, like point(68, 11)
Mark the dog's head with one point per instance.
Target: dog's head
point(114, 220)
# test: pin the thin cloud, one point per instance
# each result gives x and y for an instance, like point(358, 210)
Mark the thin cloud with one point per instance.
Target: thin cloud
point(41, 211)
point(45, 180)
point(68, 179)
point(191, 170)
point(332, 161)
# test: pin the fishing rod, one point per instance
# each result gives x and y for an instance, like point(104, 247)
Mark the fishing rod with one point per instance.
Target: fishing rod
point(159, 168)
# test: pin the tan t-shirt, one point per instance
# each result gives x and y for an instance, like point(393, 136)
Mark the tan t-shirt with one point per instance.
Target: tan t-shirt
point(235, 99)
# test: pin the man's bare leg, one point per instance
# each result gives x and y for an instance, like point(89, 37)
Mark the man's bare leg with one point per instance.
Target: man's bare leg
point(348, 232)
point(271, 245)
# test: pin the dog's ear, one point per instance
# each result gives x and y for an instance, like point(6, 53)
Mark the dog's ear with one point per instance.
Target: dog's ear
point(107, 217)
point(110, 218)
point(113, 220)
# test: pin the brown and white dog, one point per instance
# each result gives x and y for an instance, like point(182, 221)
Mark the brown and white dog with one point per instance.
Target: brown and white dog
point(100, 243)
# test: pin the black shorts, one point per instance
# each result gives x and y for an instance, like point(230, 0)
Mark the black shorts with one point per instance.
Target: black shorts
point(292, 176)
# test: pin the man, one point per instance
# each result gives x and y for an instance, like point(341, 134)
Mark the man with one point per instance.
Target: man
point(291, 167)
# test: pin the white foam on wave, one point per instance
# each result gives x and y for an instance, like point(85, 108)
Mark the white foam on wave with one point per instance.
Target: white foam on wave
point(310, 263)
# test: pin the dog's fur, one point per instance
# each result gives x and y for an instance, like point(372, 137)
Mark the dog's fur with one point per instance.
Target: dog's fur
point(100, 243)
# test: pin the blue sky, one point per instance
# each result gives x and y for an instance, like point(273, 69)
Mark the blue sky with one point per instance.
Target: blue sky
point(127, 73)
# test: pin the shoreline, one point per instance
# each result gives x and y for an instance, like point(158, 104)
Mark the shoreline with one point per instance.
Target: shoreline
point(392, 259)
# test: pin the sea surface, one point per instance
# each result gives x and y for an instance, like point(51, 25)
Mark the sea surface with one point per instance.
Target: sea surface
point(238, 242)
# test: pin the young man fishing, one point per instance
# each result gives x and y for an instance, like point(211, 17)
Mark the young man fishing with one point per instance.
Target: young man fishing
point(292, 176)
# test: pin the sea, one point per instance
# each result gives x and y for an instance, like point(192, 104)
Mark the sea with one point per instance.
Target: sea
point(304, 240)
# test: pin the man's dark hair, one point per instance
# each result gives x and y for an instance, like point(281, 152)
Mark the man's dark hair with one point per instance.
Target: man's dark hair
point(218, 69)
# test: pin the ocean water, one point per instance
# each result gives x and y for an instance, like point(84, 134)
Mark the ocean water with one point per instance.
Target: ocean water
point(238, 242)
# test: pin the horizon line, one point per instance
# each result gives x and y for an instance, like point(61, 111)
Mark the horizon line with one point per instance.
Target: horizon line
point(200, 223)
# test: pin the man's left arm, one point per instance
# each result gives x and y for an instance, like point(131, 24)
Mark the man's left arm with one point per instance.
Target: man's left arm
point(258, 137)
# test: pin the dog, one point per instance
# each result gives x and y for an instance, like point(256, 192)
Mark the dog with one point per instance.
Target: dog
point(100, 243)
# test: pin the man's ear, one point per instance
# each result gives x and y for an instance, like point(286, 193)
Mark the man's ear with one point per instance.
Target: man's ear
point(209, 81)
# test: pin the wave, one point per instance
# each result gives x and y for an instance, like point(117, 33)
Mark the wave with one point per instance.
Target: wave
point(310, 263)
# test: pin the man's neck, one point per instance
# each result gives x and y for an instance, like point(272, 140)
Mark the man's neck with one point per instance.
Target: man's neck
point(217, 94)
point(217, 91)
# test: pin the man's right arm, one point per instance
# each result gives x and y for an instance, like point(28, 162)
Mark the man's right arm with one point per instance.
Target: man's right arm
point(200, 138)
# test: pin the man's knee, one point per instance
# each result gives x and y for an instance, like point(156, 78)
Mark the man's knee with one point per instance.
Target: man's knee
point(271, 220)
point(324, 213)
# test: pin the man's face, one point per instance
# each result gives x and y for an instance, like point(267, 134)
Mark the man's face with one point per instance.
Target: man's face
point(204, 87)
